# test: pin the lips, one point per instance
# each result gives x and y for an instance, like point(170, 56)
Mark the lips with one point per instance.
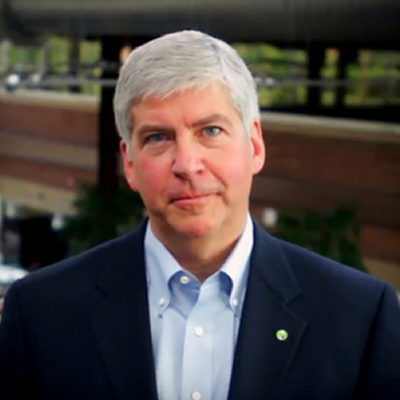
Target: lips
point(190, 199)
point(189, 196)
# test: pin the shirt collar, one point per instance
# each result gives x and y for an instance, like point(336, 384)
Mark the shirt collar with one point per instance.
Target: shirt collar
point(236, 266)
point(161, 266)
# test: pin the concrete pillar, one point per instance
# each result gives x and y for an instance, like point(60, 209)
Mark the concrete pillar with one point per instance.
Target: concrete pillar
point(74, 59)
point(341, 91)
point(107, 175)
point(346, 56)
point(365, 60)
point(316, 59)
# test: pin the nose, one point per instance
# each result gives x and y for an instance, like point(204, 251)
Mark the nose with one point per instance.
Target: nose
point(187, 160)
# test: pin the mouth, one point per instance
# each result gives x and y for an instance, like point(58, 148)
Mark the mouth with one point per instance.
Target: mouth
point(189, 200)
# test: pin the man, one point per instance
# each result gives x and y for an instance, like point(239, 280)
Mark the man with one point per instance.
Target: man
point(198, 302)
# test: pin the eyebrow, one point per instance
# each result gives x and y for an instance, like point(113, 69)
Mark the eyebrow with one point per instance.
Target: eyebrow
point(147, 128)
point(150, 128)
point(213, 118)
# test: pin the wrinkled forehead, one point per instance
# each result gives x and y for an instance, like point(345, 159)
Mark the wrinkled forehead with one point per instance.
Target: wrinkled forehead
point(217, 94)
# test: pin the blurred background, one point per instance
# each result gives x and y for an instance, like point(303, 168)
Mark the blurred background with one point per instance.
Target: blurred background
point(328, 74)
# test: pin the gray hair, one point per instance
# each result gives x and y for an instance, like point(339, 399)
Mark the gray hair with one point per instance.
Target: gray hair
point(179, 61)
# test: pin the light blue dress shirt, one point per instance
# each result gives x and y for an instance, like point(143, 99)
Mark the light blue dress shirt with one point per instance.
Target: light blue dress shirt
point(194, 326)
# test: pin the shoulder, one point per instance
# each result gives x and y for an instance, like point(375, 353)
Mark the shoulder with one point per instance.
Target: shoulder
point(322, 278)
point(306, 263)
point(78, 271)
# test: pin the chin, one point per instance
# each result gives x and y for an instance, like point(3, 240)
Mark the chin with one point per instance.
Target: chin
point(195, 229)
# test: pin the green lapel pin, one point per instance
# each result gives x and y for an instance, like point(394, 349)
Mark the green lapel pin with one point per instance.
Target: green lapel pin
point(282, 335)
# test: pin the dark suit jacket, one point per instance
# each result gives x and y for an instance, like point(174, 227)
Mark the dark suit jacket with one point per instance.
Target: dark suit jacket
point(80, 330)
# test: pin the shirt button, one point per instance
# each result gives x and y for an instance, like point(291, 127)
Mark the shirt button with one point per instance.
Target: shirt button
point(196, 396)
point(235, 302)
point(162, 301)
point(199, 332)
point(184, 280)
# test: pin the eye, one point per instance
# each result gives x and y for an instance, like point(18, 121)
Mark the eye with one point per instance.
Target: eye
point(212, 130)
point(155, 138)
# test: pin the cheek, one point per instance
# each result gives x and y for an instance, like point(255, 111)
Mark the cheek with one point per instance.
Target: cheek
point(233, 170)
point(237, 162)
point(151, 178)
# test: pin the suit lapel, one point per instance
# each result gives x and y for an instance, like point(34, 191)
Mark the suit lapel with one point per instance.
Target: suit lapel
point(122, 326)
point(121, 321)
point(261, 359)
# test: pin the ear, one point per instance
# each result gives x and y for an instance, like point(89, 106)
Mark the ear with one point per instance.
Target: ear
point(129, 169)
point(257, 141)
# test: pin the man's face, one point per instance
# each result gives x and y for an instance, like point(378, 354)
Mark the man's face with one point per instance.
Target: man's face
point(192, 162)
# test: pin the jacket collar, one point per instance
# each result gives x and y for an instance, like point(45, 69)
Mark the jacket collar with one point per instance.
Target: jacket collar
point(269, 263)
point(263, 352)
point(121, 320)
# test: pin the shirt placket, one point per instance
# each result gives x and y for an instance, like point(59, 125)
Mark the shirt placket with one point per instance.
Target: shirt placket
point(197, 365)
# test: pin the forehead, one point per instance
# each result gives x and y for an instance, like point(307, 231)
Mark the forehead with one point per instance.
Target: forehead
point(196, 102)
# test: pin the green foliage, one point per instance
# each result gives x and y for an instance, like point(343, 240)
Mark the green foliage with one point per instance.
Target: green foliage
point(59, 52)
point(99, 218)
point(335, 235)
point(267, 60)
point(90, 52)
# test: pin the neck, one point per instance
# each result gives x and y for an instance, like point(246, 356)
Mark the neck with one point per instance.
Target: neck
point(202, 260)
point(202, 256)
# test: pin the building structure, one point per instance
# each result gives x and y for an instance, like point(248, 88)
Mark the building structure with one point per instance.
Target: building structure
point(48, 145)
